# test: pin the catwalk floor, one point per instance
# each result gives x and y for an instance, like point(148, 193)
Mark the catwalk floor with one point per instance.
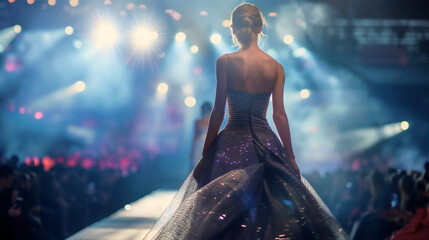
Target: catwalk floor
point(131, 222)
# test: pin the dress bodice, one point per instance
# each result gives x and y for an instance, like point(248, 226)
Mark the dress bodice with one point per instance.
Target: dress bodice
point(247, 109)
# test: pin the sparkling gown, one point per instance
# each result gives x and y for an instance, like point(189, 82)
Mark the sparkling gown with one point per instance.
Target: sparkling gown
point(245, 187)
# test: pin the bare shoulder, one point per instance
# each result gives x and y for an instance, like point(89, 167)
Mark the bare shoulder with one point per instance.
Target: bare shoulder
point(222, 59)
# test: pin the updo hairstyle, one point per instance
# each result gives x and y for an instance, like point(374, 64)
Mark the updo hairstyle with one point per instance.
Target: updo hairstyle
point(246, 19)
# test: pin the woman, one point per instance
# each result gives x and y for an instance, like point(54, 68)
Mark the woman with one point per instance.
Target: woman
point(247, 184)
point(200, 131)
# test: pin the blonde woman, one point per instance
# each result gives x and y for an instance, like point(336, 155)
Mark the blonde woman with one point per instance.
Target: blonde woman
point(247, 185)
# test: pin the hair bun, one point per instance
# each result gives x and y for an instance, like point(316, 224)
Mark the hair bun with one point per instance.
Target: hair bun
point(247, 22)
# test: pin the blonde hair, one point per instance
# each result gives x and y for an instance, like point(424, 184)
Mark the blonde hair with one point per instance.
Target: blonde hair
point(246, 19)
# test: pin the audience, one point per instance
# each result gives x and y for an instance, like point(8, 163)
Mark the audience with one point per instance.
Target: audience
point(53, 203)
point(36, 203)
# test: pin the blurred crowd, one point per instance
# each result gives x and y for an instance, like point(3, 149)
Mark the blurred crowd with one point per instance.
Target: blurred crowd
point(36, 203)
point(53, 203)
point(374, 205)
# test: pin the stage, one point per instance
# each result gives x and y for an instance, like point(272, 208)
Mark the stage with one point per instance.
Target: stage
point(131, 222)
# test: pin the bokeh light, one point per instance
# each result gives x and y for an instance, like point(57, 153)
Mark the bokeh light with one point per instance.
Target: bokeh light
point(300, 52)
point(77, 44)
point(17, 28)
point(52, 2)
point(215, 38)
point(288, 39)
point(38, 115)
point(180, 37)
point(194, 49)
point(74, 3)
point(190, 101)
point(80, 86)
point(30, 2)
point(162, 88)
point(404, 125)
point(188, 90)
point(305, 93)
point(68, 30)
point(127, 207)
point(226, 23)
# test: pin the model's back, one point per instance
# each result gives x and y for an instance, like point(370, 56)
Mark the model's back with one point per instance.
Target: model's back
point(252, 71)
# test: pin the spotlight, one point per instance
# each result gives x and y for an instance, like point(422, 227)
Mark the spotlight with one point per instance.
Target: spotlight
point(17, 28)
point(143, 38)
point(404, 125)
point(162, 88)
point(305, 93)
point(106, 35)
point(288, 39)
point(80, 86)
point(180, 37)
point(68, 30)
point(215, 38)
point(194, 49)
point(190, 101)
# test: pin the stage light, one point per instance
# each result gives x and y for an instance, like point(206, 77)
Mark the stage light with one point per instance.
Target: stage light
point(162, 88)
point(11, 1)
point(107, 2)
point(80, 86)
point(272, 14)
point(288, 39)
point(190, 101)
point(22, 110)
point(130, 6)
point(203, 13)
point(77, 44)
point(17, 28)
point(68, 30)
point(180, 37)
point(38, 115)
point(188, 90)
point(300, 52)
point(226, 23)
point(404, 125)
point(127, 207)
point(74, 3)
point(30, 2)
point(143, 38)
point(215, 38)
point(52, 2)
point(194, 49)
point(106, 35)
point(305, 93)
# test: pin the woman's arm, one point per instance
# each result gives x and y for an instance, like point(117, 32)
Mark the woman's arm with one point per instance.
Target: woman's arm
point(218, 111)
point(279, 115)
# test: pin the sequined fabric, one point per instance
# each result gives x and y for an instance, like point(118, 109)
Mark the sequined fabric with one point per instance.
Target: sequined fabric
point(245, 187)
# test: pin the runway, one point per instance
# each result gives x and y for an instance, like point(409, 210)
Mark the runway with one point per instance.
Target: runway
point(131, 222)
